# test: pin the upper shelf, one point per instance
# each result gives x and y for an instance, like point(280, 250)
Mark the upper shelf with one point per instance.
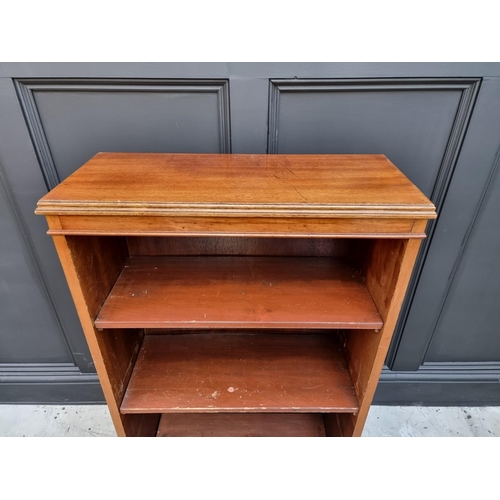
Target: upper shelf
point(208, 185)
point(239, 292)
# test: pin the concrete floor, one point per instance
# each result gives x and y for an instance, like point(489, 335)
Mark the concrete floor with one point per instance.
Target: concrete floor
point(408, 421)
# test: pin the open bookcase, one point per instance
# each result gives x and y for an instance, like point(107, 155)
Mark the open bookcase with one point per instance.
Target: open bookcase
point(237, 295)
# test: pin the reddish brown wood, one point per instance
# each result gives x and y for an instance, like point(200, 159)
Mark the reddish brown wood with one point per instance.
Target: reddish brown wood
point(239, 292)
point(228, 185)
point(240, 331)
point(389, 266)
point(303, 247)
point(242, 425)
point(267, 226)
point(91, 266)
point(332, 423)
point(300, 206)
point(240, 373)
point(98, 262)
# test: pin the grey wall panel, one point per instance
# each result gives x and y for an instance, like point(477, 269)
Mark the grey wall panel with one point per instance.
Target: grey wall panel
point(235, 70)
point(25, 183)
point(50, 389)
point(437, 393)
point(455, 222)
point(249, 110)
point(29, 330)
point(469, 324)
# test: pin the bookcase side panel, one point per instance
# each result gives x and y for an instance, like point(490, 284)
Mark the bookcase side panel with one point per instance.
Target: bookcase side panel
point(389, 265)
point(91, 266)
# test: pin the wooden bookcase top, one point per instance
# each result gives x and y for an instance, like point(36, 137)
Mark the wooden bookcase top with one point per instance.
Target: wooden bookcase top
point(361, 186)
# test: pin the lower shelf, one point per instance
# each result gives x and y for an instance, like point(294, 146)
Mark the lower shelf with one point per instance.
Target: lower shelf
point(240, 373)
point(242, 425)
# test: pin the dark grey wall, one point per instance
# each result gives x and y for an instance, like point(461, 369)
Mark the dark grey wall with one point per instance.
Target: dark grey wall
point(440, 123)
point(469, 324)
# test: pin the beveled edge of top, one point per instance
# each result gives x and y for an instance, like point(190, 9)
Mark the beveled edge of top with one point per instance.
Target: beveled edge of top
point(240, 210)
point(190, 209)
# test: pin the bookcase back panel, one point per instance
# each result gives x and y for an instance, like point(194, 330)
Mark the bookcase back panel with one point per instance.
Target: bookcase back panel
point(306, 247)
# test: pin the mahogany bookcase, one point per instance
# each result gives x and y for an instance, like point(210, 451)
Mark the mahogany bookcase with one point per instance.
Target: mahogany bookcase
point(237, 295)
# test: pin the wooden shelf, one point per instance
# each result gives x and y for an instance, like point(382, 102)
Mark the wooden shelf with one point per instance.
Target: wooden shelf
point(230, 372)
point(239, 292)
point(242, 425)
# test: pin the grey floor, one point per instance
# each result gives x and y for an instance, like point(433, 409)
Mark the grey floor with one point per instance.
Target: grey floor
point(408, 421)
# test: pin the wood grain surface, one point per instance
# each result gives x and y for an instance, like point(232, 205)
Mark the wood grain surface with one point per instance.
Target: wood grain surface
point(213, 373)
point(91, 266)
point(235, 185)
point(241, 425)
point(284, 247)
point(239, 292)
point(290, 227)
